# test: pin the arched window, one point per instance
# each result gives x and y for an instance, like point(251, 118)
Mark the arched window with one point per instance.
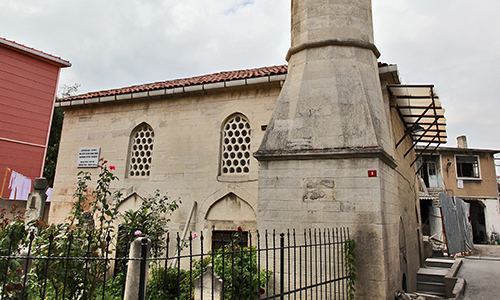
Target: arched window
point(235, 146)
point(141, 151)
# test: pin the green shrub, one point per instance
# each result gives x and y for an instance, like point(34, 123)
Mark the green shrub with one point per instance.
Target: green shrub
point(12, 233)
point(350, 264)
point(177, 282)
point(149, 220)
point(237, 266)
point(59, 278)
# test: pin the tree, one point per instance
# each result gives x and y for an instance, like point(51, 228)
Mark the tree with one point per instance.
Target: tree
point(49, 169)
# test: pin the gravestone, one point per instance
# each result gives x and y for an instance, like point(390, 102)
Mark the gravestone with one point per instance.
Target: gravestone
point(208, 283)
point(87, 221)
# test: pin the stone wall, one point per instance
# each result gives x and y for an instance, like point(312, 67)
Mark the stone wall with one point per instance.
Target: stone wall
point(380, 211)
point(7, 204)
point(402, 211)
point(185, 159)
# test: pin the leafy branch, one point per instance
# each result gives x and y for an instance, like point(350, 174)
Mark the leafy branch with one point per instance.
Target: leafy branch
point(350, 265)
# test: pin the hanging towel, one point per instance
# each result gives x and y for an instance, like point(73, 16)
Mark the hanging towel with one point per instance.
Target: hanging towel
point(14, 184)
point(48, 192)
point(20, 186)
point(26, 189)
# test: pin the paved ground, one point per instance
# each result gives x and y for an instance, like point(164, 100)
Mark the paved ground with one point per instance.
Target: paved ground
point(486, 251)
point(482, 273)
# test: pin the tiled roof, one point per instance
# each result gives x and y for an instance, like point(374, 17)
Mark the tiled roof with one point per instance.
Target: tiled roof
point(32, 51)
point(204, 79)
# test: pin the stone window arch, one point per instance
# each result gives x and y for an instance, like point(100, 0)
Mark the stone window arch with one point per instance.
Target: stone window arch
point(235, 146)
point(140, 151)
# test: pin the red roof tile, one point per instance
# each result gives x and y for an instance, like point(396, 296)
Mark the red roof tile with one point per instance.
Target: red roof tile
point(32, 51)
point(210, 78)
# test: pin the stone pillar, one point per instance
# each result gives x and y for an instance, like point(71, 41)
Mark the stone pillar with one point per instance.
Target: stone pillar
point(326, 159)
point(133, 282)
point(35, 207)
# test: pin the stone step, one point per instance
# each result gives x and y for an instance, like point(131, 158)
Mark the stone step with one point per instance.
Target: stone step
point(431, 287)
point(430, 295)
point(439, 263)
point(431, 275)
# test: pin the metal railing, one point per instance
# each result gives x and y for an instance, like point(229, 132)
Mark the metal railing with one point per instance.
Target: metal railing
point(267, 265)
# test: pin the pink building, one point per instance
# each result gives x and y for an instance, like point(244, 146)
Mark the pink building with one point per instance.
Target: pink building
point(28, 86)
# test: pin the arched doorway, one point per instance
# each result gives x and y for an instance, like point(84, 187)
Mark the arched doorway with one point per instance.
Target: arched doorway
point(226, 216)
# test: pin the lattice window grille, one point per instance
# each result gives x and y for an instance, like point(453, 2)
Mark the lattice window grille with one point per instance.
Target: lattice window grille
point(236, 146)
point(141, 152)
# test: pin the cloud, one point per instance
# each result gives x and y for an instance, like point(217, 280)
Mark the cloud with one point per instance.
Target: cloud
point(451, 45)
point(112, 44)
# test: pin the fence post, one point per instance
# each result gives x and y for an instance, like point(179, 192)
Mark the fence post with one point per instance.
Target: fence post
point(137, 270)
point(282, 266)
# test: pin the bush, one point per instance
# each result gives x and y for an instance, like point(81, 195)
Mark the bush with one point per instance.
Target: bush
point(12, 233)
point(149, 220)
point(11, 269)
point(59, 278)
point(113, 288)
point(238, 268)
point(177, 282)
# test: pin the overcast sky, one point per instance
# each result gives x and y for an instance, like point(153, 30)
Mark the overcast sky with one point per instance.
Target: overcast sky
point(453, 44)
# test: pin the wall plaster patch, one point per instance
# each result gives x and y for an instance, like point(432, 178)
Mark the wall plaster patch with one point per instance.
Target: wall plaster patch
point(314, 189)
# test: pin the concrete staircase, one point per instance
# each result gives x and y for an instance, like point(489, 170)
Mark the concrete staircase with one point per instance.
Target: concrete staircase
point(438, 277)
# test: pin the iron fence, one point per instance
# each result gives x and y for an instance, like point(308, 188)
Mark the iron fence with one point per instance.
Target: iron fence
point(241, 265)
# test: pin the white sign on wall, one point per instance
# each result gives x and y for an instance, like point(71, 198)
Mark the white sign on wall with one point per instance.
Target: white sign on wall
point(88, 157)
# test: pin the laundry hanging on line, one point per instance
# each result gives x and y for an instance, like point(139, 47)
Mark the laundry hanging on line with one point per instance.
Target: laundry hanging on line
point(20, 186)
point(48, 192)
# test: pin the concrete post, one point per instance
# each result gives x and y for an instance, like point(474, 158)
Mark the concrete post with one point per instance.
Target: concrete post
point(135, 285)
point(35, 207)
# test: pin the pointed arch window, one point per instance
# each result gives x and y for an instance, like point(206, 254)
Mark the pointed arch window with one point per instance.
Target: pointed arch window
point(235, 148)
point(141, 151)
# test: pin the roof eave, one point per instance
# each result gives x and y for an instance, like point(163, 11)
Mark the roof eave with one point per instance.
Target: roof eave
point(174, 90)
point(37, 54)
point(390, 72)
point(455, 149)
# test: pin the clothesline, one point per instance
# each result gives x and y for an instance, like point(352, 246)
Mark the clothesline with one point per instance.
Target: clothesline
point(20, 186)
point(7, 170)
